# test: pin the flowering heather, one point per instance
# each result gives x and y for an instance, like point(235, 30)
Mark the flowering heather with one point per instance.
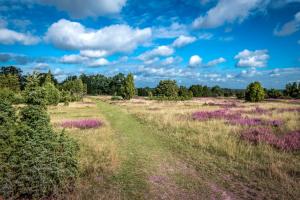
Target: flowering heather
point(255, 122)
point(288, 142)
point(82, 123)
point(217, 114)
point(288, 110)
point(223, 105)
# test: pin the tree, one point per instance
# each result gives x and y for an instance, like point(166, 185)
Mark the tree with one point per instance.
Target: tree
point(75, 87)
point(197, 90)
point(117, 84)
point(34, 94)
point(216, 91)
point(254, 92)
point(292, 90)
point(129, 89)
point(167, 88)
point(185, 93)
point(273, 93)
point(10, 81)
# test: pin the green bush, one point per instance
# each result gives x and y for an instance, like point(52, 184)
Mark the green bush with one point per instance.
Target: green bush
point(52, 94)
point(167, 88)
point(254, 92)
point(35, 161)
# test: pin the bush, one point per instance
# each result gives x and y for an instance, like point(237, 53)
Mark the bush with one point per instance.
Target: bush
point(36, 161)
point(167, 88)
point(254, 92)
point(52, 94)
point(185, 93)
point(129, 89)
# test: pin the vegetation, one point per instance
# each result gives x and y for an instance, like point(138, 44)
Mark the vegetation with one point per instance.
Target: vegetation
point(129, 89)
point(254, 92)
point(36, 161)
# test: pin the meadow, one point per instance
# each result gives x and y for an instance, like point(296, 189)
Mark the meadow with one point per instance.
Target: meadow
point(204, 148)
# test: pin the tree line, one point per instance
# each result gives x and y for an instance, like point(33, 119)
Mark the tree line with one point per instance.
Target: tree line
point(13, 86)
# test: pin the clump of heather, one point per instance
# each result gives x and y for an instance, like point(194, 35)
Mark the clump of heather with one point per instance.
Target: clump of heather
point(82, 123)
point(255, 122)
point(223, 105)
point(217, 114)
point(288, 110)
point(288, 142)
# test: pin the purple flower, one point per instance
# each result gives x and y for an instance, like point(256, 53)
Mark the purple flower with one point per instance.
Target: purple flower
point(217, 114)
point(82, 123)
point(288, 142)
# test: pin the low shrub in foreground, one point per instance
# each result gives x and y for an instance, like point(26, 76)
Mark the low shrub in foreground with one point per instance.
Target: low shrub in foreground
point(35, 161)
point(82, 123)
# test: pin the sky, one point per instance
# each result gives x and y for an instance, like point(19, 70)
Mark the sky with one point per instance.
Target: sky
point(210, 42)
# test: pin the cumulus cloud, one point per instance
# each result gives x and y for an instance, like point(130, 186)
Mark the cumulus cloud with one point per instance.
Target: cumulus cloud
point(73, 59)
point(174, 30)
point(94, 53)
point(289, 27)
point(85, 8)
point(183, 41)
point(228, 11)
point(257, 58)
point(99, 63)
point(161, 51)
point(10, 37)
point(69, 35)
point(195, 61)
point(216, 62)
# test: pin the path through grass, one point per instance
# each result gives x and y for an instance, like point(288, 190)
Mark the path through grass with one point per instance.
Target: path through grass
point(148, 169)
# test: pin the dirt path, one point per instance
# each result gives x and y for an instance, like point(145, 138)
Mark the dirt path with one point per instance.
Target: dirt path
point(149, 170)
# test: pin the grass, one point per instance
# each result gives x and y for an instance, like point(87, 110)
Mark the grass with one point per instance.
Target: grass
point(154, 150)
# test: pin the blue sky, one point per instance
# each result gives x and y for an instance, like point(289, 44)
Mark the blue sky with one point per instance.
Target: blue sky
point(213, 42)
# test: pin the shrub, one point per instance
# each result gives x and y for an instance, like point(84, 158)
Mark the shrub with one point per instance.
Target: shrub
point(185, 93)
point(36, 161)
point(52, 94)
point(129, 89)
point(167, 88)
point(254, 92)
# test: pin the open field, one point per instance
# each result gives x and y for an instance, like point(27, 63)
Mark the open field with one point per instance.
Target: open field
point(166, 150)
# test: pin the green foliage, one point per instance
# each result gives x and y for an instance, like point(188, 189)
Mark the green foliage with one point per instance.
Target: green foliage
point(185, 93)
point(129, 89)
point(52, 94)
point(167, 88)
point(254, 92)
point(36, 161)
point(33, 93)
point(292, 90)
point(75, 87)
point(10, 81)
point(217, 91)
point(197, 90)
point(240, 95)
point(273, 93)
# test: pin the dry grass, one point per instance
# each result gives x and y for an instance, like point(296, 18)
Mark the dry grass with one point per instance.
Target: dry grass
point(98, 151)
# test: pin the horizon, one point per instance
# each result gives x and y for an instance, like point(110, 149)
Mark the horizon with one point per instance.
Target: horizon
point(205, 42)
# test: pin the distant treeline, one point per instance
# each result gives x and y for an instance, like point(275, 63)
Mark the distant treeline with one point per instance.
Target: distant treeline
point(75, 87)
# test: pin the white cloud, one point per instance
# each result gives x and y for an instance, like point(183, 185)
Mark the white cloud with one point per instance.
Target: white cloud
point(289, 27)
point(10, 37)
point(69, 35)
point(195, 61)
point(205, 36)
point(249, 73)
point(94, 53)
point(85, 8)
point(183, 41)
point(257, 58)
point(73, 59)
point(172, 31)
point(216, 62)
point(160, 51)
point(228, 11)
point(41, 66)
point(99, 63)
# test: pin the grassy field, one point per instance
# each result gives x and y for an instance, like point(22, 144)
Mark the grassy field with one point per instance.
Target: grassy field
point(156, 150)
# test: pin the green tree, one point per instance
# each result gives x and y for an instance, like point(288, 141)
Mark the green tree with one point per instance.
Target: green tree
point(167, 88)
point(292, 90)
point(34, 94)
point(273, 93)
point(185, 93)
point(10, 81)
point(217, 91)
point(129, 89)
point(197, 90)
point(52, 93)
point(254, 92)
